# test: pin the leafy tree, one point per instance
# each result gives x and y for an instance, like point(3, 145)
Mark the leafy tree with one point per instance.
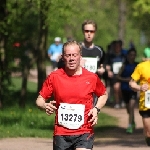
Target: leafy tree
point(141, 13)
point(4, 54)
point(42, 43)
point(15, 26)
point(25, 22)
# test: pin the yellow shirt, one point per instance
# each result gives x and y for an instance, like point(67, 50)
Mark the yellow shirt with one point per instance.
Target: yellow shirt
point(142, 74)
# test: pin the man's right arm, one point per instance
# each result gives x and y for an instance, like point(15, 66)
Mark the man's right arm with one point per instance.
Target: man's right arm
point(136, 87)
point(108, 65)
point(48, 107)
point(101, 68)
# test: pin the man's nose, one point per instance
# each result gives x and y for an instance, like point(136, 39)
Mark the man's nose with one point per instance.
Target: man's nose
point(71, 57)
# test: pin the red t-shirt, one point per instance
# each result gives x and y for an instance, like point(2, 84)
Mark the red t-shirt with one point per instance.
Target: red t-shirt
point(77, 89)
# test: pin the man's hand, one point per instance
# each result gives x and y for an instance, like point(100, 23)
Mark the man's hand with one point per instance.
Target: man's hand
point(136, 87)
point(101, 70)
point(110, 74)
point(94, 118)
point(144, 87)
point(50, 108)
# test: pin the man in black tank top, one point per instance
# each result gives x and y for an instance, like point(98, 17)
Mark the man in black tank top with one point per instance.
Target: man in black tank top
point(93, 56)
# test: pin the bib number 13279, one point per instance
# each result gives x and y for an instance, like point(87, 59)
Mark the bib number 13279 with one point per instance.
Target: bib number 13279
point(71, 116)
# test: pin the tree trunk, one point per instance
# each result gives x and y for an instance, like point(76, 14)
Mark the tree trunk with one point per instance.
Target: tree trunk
point(27, 61)
point(2, 69)
point(23, 93)
point(41, 69)
point(122, 19)
point(3, 58)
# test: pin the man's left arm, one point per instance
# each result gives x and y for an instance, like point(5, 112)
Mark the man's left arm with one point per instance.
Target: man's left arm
point(101, 68)
point(102, 100)
point(100, 103)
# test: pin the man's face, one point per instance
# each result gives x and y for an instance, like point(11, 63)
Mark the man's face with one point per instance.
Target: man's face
point(72, 57)
point(117, 48)
point(57, 42)
point(131, 56)
point(89, 32)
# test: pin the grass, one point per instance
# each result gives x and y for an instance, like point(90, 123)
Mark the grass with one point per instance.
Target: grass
point(106, 123)
point(16, 83)
point(32, 122)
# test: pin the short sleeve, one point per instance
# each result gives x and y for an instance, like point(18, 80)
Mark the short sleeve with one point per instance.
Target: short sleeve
point(137, 73)
point(47, 89)
point(50, 49)
point(99, 88)
point(103, 57)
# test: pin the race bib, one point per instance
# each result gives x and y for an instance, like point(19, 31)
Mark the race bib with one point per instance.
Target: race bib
point(71, 116)
point(90, 64)
point(55, 56)
point(147, 99)
point(116, 67)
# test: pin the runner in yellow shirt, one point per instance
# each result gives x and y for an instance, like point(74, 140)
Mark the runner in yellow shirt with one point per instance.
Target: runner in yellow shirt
point(141, 75)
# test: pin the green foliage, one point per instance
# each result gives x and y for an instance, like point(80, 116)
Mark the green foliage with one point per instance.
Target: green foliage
point(67, 22)
point(23, 23)
point(141, 13)
point(30, 122)
point(16, 84)
point(13, 93)
point(64, 19)
point(103, 119)
point(141, 7)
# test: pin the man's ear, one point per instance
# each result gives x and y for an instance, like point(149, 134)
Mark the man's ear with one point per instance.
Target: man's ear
point(62, 57)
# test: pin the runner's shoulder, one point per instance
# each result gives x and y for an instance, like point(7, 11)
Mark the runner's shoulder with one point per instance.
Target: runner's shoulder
point(99, 47)
point(144, 63)
point(57, 72)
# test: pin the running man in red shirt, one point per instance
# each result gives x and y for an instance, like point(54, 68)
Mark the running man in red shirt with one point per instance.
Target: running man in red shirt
point(73, 88)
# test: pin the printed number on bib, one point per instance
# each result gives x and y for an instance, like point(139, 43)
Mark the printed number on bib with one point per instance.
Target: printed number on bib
point(71, 116)
point(90, 64)
point(147, 99)
point(116, 67)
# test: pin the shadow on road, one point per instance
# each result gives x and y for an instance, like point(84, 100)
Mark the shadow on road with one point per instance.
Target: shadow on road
point(106, 136)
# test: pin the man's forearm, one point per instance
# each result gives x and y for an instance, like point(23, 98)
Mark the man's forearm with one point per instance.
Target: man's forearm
point(49, 107)
point(102, 100)
point(40, 102)
point(134, 86)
